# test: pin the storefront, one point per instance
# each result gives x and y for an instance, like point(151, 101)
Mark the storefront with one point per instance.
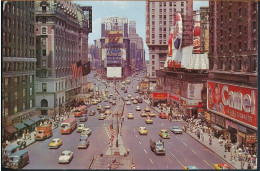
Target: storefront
point(218, 125)
point(236, 107)
point(160, 99)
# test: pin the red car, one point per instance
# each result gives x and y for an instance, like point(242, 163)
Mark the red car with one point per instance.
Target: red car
point(162, 115)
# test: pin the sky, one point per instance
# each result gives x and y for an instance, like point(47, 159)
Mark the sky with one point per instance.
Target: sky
point(133, 10)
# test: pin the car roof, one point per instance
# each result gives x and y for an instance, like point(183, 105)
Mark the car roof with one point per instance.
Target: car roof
point(163, 129)
point(56, 139)
point(66, 151)
point(11, 147)
point(142, 127)
point(18, 153)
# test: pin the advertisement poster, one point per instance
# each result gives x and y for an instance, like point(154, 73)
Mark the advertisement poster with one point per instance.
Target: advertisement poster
point(237, 102)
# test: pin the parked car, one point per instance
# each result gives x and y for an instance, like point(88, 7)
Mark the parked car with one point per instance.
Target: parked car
point(128, 102)
point(176, 130)
point(221, 166)
point(83, 118)
point(147, 109)
point(80, 127)
point(83, 142)
point(92, 113)
point(66, 156)
point(55, 143)
point(190, 167)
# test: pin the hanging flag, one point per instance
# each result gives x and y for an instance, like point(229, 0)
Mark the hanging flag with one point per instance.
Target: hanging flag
point(76, 69)
point(86, 68)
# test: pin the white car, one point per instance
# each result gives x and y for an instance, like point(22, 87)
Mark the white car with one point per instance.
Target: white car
point(81, 127)
point(66, 156)
point(138, 108)
point(85, 131)
point(129, 96)
point(107, 107)
point(128, 102)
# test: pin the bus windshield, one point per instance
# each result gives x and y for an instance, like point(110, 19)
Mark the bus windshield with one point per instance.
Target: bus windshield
point(64, 126)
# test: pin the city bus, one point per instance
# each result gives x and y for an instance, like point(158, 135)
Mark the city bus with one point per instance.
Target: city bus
point(68, 126)
point(78, 111)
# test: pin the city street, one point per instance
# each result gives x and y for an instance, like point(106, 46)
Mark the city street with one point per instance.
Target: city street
point(181, 149)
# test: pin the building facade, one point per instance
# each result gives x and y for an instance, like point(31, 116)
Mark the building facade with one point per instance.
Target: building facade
point(62, 30)
point(18, 65)
point(232, 84)
point(204, 26)
point(159, 20)
point(137, 52)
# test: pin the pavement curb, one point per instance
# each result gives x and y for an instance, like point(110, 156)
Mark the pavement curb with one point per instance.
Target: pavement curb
point(212, 151)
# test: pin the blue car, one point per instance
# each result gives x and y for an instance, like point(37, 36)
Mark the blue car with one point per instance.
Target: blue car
point(83, 118)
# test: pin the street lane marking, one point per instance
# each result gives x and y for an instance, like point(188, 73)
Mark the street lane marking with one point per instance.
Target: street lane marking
point(136, 136)
point(145, 151)
point(177, 160)
point(139, 142)
point(193, 151)
point(177, 137)
point(173, 155)
point(134, 130)
point(184, 143)
point(151, 160)
point(206, 162)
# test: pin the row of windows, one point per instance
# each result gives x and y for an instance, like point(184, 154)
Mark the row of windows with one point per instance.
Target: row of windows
point(25, 105)
point(12, 52)
point(18, 66)
point(12, 23)
point(15, 80)
point(11, 37)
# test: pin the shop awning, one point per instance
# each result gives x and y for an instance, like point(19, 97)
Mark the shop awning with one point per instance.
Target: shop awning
point(35, 119)
point(11, 129)
point(29, 122)
point(19, 126)
point(217, 127)
point(242, 128)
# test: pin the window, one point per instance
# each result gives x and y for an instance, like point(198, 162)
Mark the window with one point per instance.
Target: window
point(15, 95)
point(56, 86)
point(44, 30)
point(152, 56)
point(182, 4)
point(31, 91)
point(182, 10)
point(153, 68)
point(23, 106)
point(23, 92)
point(44, 87)
point(153, 73)
point(44, 63)
point(15, 80)
point(44, 52)
point(153, 63)
point(6, 81)
point(31, 78)
point(153, 17)
point(44, 8)
point(31, 103)
point(153, 36)
point(15, 108)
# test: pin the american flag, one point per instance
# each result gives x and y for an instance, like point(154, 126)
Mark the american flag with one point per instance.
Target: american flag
point(76, 69)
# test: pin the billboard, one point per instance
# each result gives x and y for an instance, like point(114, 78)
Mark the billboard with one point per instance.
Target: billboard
point(114, 37)
point(114, 72)
point(113, 56)
point(237, 102)
point(160, 96)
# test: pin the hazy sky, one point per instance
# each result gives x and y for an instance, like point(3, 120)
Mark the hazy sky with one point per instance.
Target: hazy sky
point(133, 10)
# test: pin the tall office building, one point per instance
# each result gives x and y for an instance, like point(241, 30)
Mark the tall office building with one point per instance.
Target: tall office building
point(232, 84)
point(18, 65)
point(159, 20)
point(62, 30)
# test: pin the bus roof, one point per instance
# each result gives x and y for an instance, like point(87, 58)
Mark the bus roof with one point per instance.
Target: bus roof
point(19, 153)
point(11, 147)
point(69, 120)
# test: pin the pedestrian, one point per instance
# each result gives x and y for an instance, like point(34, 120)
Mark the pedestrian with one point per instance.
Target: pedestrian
point(226, 147)
point(231, 156)
point(210, 140)
point(249, 166)
point(202, 137)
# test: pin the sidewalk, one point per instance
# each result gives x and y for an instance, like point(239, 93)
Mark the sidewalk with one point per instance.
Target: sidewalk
point(216, 148)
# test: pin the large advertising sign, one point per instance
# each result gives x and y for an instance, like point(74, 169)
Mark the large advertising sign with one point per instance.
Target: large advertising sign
point(236, 102)
point(160, 96)
point(114, 37)
point(113, 57)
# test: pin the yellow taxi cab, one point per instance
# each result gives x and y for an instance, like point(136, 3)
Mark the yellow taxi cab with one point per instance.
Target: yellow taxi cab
point(152, 114)
point(130, 116)
point(148, 120)
point(99, 107)
point(107, 112)
point(221, 166)
point(55, 143)
point(143, 114)
point(142, 131)
point(147, 109)
point(164, 134)
point(106, 90)
point(94, 102)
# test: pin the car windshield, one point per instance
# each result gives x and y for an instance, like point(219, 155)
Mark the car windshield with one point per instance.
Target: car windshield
point(76, 110)
point(54, 141)
point(164, 132)
point(40, 132)
point(65, 154)
point(159, 145)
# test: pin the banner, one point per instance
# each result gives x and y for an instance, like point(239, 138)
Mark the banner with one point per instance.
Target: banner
point(76, 69)
point(236, 102)
point(114, 37)
point(113, 57)
point(160, 96)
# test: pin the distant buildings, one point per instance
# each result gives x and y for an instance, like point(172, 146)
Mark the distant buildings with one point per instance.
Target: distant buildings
point(61, 40)
point(18, 65)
